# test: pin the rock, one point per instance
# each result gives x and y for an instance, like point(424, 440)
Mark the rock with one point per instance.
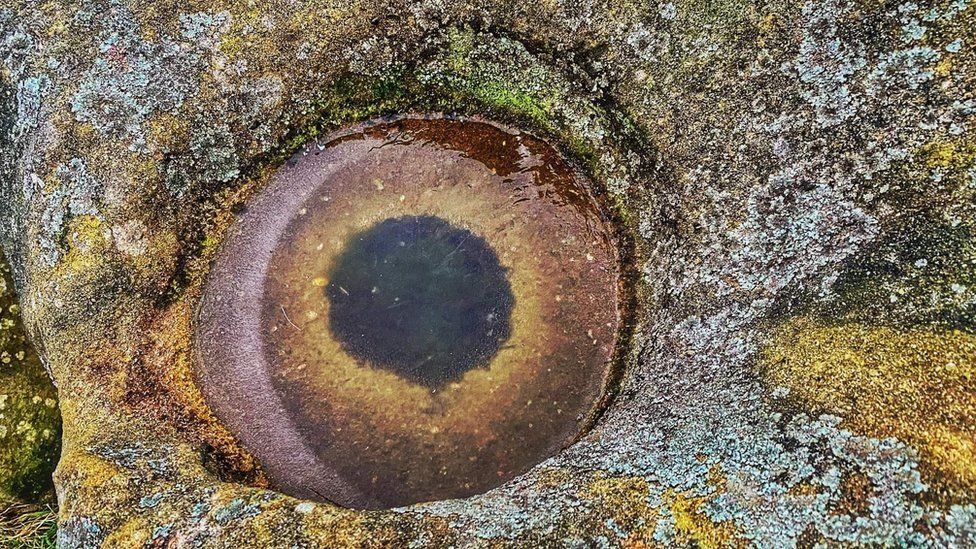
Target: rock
point(777, 165)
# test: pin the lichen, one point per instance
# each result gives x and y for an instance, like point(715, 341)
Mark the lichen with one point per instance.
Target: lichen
point(806, 161)
point(912, 384)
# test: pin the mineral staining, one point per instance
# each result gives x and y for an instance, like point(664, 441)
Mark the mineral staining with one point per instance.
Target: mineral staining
point(420, 298)
point(431, 303)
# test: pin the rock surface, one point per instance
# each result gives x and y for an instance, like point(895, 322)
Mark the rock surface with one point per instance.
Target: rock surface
point(798, 179)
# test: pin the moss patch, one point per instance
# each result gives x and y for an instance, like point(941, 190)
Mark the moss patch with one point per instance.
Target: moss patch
point(30, 426)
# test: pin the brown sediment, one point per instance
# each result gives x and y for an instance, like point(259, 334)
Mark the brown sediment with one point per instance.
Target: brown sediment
point(375, 438)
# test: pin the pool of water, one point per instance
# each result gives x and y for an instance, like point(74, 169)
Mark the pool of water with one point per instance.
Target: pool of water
point(421, 298)
point(412, 310)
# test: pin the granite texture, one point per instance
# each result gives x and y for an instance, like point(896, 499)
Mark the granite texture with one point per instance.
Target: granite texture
point(798, 180)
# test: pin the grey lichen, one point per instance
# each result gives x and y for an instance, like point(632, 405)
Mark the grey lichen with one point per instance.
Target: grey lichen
point(131, 78)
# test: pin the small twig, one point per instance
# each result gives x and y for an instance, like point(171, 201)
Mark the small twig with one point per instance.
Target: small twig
point(288, 319)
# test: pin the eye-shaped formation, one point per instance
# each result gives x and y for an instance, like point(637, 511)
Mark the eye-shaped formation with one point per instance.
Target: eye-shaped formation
point(411, 311)
point(794, 192)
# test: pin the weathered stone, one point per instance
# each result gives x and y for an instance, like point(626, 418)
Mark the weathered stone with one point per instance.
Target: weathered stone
point(768, 159)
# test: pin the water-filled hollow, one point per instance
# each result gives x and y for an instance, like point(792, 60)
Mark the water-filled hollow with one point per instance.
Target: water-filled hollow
point(412, 310)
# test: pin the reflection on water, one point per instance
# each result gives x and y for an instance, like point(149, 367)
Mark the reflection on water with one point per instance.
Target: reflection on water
point(420, 298)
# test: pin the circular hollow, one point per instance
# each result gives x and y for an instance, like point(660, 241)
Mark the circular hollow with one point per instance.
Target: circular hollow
point(501, 360)
point(421, 298)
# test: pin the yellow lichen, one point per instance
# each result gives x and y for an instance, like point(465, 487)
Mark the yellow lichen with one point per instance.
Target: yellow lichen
point(88, 240)
point(627, 495)
point(692, 527)
point(133, 533)
point(945, 153)
point(944, 68)
point(629, 500)
point(916, 385)
point(168, 131)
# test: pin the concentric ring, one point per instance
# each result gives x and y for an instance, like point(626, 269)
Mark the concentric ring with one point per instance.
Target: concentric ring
point(327, 424)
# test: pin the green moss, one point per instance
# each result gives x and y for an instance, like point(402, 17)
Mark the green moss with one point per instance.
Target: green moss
point(30, 425)
point(349, 99)
point(498, 77)
point(460, 46)
point(514, 101)
point(449, 84)
point(471, 73)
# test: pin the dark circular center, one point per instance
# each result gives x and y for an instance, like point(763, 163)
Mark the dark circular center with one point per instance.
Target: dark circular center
point(421, 298)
